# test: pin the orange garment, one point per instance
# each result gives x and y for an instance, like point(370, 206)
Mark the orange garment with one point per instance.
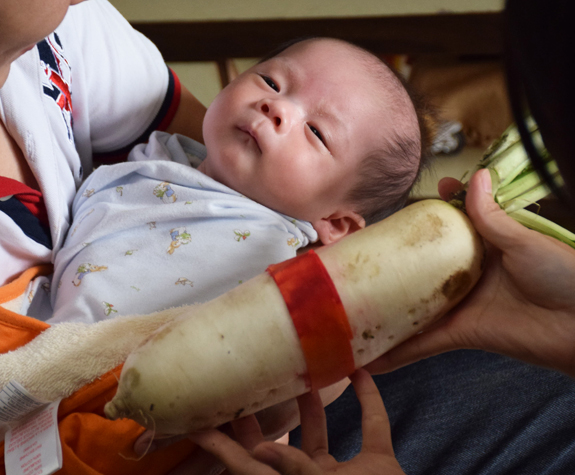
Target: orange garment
point(91, 444)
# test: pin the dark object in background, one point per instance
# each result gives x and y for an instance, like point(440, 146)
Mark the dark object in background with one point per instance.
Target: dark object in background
point(539, 63)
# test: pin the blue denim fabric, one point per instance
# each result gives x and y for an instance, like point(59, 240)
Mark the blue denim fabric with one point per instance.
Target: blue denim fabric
point(468, 412)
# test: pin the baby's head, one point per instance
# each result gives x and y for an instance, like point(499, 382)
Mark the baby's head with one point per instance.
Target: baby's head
point(322, 131)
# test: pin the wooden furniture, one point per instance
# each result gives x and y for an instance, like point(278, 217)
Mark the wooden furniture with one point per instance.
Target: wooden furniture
point(468, 34)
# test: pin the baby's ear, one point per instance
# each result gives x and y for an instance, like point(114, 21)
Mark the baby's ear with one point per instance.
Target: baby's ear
point(337, 226)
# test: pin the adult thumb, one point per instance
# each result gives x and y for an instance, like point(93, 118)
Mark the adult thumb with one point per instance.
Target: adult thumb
point(487, 216)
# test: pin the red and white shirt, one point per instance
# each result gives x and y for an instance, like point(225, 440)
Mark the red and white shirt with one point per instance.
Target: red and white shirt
point(89, 91)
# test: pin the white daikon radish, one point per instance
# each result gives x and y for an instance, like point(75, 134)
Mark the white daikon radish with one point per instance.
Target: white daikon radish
point(240, 353)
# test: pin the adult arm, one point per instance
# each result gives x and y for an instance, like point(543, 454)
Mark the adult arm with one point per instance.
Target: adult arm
point(524, 304)
point(122, 86)
point(189, 116)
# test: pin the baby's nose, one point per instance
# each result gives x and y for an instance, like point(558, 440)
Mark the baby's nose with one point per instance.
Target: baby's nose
point(282, 112)
point(275, 117)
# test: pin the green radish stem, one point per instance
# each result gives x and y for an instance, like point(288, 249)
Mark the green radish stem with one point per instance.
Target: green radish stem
point(508, 138)
point(543, 225)
point(525, 183)
point(516, 184)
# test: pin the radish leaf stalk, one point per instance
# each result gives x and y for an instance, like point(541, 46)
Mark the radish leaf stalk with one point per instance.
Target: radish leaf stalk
point(516, 184)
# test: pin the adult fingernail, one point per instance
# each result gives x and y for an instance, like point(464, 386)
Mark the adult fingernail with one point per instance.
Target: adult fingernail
point(486, 181)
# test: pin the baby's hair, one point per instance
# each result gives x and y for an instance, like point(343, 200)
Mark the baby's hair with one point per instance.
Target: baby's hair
point(387, 176)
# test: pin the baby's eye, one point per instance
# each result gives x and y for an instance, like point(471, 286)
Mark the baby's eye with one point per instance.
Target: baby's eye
point(270, 82)
point(317, 133)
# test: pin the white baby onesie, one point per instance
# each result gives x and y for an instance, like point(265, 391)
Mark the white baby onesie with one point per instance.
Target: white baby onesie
point(154, 233)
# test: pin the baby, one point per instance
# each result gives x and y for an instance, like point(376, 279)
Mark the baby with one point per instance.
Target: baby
point(309, 145)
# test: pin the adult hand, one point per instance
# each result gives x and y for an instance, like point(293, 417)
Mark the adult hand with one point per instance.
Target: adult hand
point(523, 305)
point(254, 457)
point(274, 422)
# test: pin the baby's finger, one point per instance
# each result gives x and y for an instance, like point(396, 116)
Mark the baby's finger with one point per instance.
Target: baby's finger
point(374, 420)
point(236, 459)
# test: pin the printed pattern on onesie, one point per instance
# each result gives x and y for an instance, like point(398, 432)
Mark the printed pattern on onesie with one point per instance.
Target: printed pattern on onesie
point(153, 234)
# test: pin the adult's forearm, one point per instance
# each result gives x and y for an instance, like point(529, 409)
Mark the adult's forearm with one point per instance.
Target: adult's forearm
point(189, 117)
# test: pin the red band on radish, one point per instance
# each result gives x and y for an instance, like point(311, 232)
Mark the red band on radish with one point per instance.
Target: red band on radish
point(318, 316)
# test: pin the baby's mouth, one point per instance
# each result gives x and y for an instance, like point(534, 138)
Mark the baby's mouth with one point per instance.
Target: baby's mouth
point(252, 135)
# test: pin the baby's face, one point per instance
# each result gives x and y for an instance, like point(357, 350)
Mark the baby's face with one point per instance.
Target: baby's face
point(289, 133)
